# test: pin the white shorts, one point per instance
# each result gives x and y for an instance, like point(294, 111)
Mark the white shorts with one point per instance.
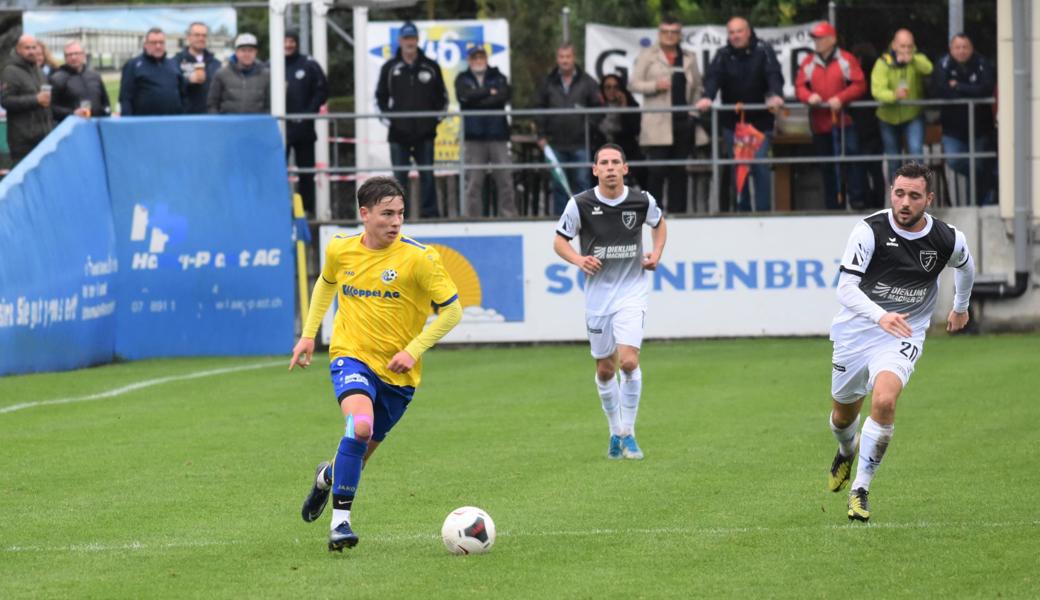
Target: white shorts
point(853, 370)
point(623, 327)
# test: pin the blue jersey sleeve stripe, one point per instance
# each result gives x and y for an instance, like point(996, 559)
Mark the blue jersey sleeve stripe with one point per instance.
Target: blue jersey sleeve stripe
point(447, 302)
point(413, 243)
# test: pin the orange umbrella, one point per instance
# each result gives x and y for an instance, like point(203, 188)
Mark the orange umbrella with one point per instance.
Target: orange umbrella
point(746, 142)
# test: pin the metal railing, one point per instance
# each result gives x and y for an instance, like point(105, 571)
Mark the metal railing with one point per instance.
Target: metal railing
point(715, 162)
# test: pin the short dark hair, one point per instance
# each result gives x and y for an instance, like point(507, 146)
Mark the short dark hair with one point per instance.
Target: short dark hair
point(962, 35)
point(153, 31)
point(194, 23)
point(609, 146)
point(376, 189)
point(915, 170)
point(567, 46)
point(670, 20)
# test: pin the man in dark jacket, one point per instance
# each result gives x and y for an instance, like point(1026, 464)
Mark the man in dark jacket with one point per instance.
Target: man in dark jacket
point(411, 82)
point(244, 85)
point(27, 104)
point(78, 90)
point(568, 87)
point(152, 84)
point(481, 87)
point(964, 73)
point(198, 67)
point(746, 70)
point(306, 91)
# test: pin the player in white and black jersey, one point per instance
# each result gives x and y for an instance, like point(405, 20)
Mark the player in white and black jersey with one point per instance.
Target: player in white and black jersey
point(888, 289)
point(609, 219)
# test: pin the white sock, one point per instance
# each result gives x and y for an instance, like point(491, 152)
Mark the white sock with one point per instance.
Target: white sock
point(631, 389)
point(846, 437)
point(609, 395)
point(338, 516)
point(873, 441)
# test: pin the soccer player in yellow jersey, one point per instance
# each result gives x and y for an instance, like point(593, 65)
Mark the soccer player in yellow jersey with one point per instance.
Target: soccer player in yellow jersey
point(386, 285)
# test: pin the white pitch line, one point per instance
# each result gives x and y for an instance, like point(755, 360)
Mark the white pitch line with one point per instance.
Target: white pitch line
point(137, 386)
point(410, 537)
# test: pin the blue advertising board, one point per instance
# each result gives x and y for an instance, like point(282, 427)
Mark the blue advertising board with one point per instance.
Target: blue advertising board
point(57, 256)
point(201, 212)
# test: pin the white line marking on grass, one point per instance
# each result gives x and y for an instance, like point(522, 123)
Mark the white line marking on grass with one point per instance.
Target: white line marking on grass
point(133, 387)
point(411, 537)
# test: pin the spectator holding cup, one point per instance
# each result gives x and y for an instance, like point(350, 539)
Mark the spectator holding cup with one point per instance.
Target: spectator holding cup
point(26, 96)
point(898, 76)
point(78, 90)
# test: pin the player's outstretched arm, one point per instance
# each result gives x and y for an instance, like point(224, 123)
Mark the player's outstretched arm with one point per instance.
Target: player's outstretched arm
point(302, 353)
point(321, 298)
point(448, 317)
point(589, 264)
point(659, 235)
point(896, 325)
point(963, 281)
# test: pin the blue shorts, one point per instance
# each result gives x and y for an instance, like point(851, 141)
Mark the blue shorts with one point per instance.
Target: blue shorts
point(351, 376)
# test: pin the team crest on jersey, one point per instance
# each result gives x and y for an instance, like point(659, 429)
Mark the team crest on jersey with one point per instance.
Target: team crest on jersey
point(628, 218)
point(389, 275)
point(928, 259)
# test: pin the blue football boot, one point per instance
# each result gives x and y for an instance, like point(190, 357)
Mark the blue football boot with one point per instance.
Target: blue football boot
point(342, 537)
point(630, 449)
point(318, 497)
point(614, 449)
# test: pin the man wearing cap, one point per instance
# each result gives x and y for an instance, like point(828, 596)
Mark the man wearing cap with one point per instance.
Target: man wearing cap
point(152, 84)
point(198, 66)
point(306, 90)
point(411, 82)
point(244, 84)
point(481, 87)
point(828, 80)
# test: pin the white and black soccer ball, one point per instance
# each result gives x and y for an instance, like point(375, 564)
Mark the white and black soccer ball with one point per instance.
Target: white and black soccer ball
point(468, 530)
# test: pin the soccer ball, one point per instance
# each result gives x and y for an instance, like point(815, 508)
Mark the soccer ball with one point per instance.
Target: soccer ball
point(468, 530)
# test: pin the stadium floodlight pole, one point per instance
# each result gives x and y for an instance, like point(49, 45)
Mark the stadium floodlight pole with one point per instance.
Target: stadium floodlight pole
point(832, 13)
point(319, 21)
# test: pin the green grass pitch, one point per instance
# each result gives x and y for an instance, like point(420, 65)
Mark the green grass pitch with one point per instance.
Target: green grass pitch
point(191, 488)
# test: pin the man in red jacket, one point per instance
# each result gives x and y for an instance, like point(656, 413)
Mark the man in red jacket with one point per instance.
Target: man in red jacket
point(828, 80)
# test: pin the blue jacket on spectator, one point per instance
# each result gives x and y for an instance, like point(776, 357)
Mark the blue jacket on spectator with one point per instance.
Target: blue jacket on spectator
point(152, 86)
point(474, 95)
point(306, 90)
point(975, 78)
point(196, 93)
point(748, 75)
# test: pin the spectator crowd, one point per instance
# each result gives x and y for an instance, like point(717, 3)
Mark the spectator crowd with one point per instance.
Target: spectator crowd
point(38, 92)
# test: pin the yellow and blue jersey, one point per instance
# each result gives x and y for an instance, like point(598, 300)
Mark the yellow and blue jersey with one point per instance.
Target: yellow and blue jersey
point(385, 297)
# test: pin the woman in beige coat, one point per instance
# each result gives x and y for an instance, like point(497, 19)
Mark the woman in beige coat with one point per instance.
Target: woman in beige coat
point(666, 76)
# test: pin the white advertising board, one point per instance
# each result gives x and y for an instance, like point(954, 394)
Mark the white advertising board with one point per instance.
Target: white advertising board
point(719, 277)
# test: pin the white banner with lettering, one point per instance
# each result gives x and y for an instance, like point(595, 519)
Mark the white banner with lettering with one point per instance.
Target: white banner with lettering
point(614, 49)
point(719, 277)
